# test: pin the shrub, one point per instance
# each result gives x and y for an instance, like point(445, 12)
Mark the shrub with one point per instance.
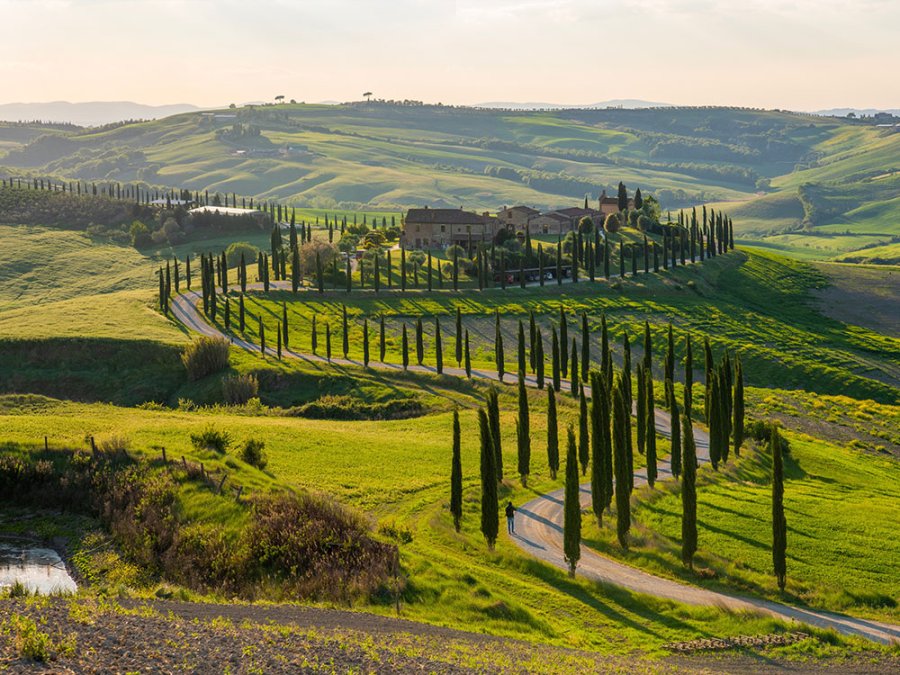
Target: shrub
point(29, 641)
point(238, 389)
point(234, 251)
point(204, 356)
point(761, 431)
point(253, 454)
point(114, 443)
point(211, 439)
point(350, 408)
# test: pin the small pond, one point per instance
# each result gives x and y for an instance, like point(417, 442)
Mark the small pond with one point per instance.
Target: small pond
point(40, 570)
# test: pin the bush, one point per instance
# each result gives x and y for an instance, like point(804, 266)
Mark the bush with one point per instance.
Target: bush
point(761, 432)
point(211, 439)
point(234, 251)
point(350, 408)
point(204, 356)
point(238, 389)
point(113, 444)
point(252, 453)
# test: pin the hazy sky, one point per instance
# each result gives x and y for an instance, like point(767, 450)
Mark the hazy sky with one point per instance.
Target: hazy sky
point(797, 54)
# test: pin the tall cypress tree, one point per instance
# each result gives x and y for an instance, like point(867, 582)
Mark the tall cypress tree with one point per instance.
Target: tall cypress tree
point(456, 475)
point(779, 523)
point(490, 520)
point(493, 409)
point(554, 358)
point(420, 342)
point(499, 358)
point(521, 349)
point(688, 495)
point(688, 377)
point(523, 434)
point(670, 361)
point(328, 341)
point(675, 430)
point(605, 356)
point(572, 507)
point(738, 407)
point(714, 422)
point(629, 405)
point(404, 348)
point(573, 371)
point(314, 338)
point(599, 440)
point(650, 428)
point(366, 343)
point(459, 338)
point(584, 439)
point(641, 412)
point(563, 342)
point(438, 347)
point(345, 331)
point(552, 434)
point(708, 369)
point(532, 337)
point(648, 347)
point(262, 337)
point(467, 357)
point(241, 312)
point(620, 451)
point(539, 359)
point(585, 348)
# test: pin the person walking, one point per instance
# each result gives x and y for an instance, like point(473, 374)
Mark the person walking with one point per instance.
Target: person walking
point(511, 518)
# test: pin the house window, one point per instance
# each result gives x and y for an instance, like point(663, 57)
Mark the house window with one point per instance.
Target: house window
point(443, 228)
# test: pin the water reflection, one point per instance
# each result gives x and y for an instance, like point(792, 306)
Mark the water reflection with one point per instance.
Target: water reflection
point(38, 569)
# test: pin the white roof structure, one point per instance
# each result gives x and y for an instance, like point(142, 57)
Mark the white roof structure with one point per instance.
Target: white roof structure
point(225, 210)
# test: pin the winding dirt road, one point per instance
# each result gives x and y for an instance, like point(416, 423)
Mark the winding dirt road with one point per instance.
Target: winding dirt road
point(539, 525)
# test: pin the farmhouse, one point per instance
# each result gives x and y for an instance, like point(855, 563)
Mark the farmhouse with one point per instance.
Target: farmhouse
point(549, 223)
point(427, 228)
point(516, 217)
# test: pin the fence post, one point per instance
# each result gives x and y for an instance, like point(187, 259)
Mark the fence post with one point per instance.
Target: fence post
point(222, 482)
point(46, 444)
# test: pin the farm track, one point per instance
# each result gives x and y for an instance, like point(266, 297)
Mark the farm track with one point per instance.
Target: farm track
point(540, 521)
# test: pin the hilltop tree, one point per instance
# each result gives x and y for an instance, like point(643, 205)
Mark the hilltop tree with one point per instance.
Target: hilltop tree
point(638, 200)
point(584, 440)
point(572, 508)
point(622, 197)
point(675, 427)
point(456, 475)
point(552, 434)
point(688, 495)
point(493, 410)
point(620, 451)
point(523, 434)
point(738, 425)
point(490, 520)
point(779, 523)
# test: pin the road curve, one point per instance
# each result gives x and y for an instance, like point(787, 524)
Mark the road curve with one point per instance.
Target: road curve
point(539, 525)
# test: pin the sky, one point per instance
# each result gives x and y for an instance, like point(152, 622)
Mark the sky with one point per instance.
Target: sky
point(795, 54)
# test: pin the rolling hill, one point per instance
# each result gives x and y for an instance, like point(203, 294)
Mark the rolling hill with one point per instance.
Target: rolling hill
point(812, 186)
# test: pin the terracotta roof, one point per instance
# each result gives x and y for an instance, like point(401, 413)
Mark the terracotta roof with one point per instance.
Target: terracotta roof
point(444, 217)
point(555, 215)
point(526, 209)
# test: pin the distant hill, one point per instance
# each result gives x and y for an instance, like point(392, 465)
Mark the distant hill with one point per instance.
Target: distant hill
point(89, 114)
point(868, 112)
point(818, 186)
point(613, 103)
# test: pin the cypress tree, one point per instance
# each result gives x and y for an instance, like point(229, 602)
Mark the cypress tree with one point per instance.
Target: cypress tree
point(493, 409)
point(532, 336)
point(345, 331)
point(552, 434)
point(366, 343)
point(456, 475)
point(584, 438)
point(262, 337)
point(499, 358)
point(675, 429)
point(629, 404)
point(404, 348)
point(738, 425)
point(521, 349)
point(715, 436)
point(585, 348)
point(328, 341)
point(670, 360)
point(641, 412)
point(468, 359)
point(779, 523)
point(314, 340)
point(558, 263)
point(605, 356)
point(438, 347)
point(187, 270)
point(708, 369)
point(620, 451)
point(420, 343)
point(554, 358)
point(278, 348)
point(650, 428)
point(490, 522)
point(648, 347)
point(241, 312)
point(563, 342)
point(688, 377)
point(523, 434)
point(227, 314)
point(573, 371)
point(689, 495)
point(539, 359)
point(572, 508)
point(598, 441)
point(459, 338)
